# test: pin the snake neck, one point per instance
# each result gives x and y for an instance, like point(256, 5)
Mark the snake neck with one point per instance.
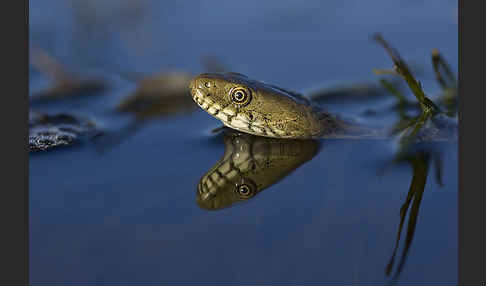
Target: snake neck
point(337, 128)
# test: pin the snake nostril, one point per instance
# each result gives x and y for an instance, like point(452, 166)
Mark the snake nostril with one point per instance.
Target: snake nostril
point(197, 84)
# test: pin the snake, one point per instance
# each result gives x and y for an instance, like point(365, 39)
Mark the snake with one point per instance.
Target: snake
point(263, 109)
point(249, 165)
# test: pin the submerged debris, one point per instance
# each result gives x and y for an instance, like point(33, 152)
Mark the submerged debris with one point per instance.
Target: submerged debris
point(213, 64)
point(159, 95)
point(358, 91)
point(50, 131)
point(65, 84)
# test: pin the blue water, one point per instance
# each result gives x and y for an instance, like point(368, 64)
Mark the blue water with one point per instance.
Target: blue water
point(130, 217)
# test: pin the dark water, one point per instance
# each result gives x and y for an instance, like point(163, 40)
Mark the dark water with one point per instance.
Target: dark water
point(130, 216)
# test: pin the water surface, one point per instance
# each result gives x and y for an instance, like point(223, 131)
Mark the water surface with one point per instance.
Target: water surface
point(129, 216)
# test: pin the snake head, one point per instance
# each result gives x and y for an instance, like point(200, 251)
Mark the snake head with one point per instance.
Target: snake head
point(250, 164)
point(222, 95)
point(215, 197)
point(255, 107)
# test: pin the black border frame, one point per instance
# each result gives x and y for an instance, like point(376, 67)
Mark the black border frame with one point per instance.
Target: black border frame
point(16, 170)
point(14, 119)
point(470, 196)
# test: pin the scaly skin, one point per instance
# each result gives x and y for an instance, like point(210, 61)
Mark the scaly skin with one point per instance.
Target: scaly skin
point(249, 165)
point(265, 110)
point(262, 109)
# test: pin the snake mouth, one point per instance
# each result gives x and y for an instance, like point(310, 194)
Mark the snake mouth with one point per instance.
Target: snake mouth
point(210, 198)
point(228, 114)
point(205, 103)
point(202, 99)
point(229, 117)
point(203, 191)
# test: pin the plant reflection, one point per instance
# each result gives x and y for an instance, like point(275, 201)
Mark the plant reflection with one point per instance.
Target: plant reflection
point(420, 159)
point(414, 131)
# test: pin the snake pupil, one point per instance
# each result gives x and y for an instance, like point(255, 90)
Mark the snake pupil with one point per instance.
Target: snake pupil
point(239, 96)
point(244, 190)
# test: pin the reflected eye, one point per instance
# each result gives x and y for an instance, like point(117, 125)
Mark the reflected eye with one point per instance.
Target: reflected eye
point(241, 96)
point(246, 189)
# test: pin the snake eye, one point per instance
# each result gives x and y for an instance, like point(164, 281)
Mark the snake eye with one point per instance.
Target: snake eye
point(241, 96)
point(246, 189)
